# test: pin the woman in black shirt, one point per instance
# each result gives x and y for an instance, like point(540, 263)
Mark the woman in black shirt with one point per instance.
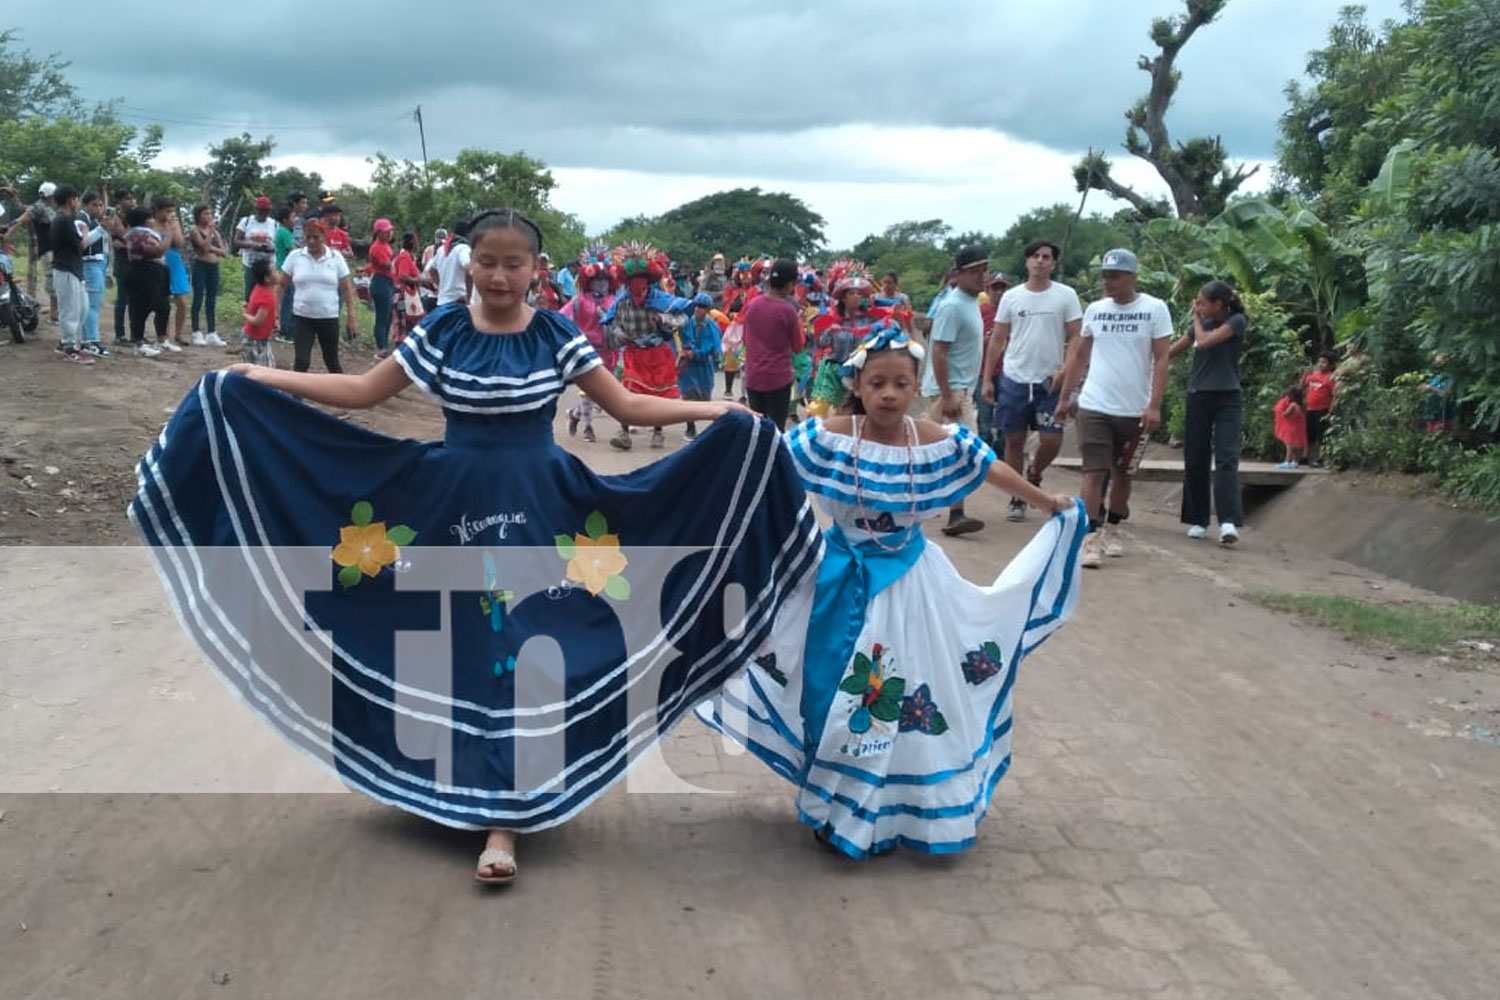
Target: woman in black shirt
point(1214, 412)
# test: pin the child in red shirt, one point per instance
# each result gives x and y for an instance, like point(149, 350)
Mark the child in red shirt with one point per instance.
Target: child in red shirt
point(1291, 426)
point(260, 316)
point(1318, 386)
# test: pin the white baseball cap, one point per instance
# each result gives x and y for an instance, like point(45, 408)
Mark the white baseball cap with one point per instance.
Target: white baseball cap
point(46, 189)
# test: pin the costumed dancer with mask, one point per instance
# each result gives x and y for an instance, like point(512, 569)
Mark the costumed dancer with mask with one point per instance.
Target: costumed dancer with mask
point(892, 712)
point(736, 297)
point(449, 626)
point(644, 320)
point(838, 331)
point(598, 283)
point(714, 279)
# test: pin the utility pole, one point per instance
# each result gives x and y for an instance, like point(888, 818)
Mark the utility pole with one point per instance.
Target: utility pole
point(423, 133)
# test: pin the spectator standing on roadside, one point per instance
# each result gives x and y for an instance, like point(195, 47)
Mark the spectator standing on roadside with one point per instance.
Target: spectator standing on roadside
point(255, 239)
point(95, 270)
point(115, 222)
point(382, 282)
point(208, 250)
point(1318, 388)
point(68, 239)
point(322, 280)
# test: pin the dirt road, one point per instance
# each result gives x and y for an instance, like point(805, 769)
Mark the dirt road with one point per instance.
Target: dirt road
point(1208, 800)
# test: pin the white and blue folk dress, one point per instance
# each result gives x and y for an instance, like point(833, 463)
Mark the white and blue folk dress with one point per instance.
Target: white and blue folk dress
point(894, 718)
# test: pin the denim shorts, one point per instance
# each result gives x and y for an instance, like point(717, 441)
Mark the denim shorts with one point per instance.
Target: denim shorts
point(1025, 406)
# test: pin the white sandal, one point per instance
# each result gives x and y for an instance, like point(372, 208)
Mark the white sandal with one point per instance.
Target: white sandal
point(494, 857)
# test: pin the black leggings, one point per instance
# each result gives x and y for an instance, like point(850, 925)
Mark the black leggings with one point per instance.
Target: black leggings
point(775, 405)
point(150, 292)
point(325, 332)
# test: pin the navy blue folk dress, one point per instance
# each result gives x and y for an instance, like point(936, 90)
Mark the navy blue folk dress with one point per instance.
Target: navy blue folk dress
point(479, 630)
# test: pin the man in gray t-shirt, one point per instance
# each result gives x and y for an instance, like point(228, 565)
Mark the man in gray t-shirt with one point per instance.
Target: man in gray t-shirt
point(956, 344)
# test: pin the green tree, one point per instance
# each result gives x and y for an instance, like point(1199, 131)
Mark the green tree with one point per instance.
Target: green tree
point(473, 181)
point(1327, 150)
point(1197, 171)
point(31, 87)
point(234, 176)
point(745, 222)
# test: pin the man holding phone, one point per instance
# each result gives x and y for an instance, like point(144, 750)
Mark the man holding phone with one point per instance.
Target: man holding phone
point(1033, 325)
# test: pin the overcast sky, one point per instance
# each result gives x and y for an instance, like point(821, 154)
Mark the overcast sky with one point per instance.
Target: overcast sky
point(871, 111)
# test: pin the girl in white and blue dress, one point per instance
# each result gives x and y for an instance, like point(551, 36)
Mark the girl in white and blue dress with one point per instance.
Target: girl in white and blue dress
point(314, 562)
point(891, 713)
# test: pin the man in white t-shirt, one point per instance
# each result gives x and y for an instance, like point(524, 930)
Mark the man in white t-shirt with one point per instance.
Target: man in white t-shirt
point(1033, 324)
point(1123, 347)
point(450, 267)
point(255, 239)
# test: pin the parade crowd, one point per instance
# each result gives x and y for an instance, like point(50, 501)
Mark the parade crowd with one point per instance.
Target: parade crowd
point(893, 725)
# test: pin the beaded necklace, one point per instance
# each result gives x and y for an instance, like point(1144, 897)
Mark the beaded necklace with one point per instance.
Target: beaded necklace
point(911, 481)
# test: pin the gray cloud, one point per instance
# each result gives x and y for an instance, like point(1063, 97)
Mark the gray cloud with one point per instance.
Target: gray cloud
point(687, 87)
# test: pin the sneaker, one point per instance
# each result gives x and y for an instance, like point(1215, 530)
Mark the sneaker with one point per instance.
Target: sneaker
point(1228, 534)
point(963, 524)
point(620, 442)
point(95, 348)
point(1017, 510)
point(122, 341)
point(73, 354)
point(1089, 558)
point(588, 434)
point(199, 340)
point(658, 438)
point(214, 340)
point(283, 339)
point(1112, 545)
point(168, 345)
point(1197, 531)
point(144, 350)
point(690, 432)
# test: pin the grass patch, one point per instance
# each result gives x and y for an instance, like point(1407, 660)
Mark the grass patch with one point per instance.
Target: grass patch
point(1415, 629)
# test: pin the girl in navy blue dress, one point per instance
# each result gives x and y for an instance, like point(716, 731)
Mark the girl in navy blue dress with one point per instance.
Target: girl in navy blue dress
point(478, 630)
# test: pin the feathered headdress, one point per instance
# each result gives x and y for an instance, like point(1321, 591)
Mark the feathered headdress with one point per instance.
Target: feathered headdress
point(846, 274)
point(594, 262)
point(639, 260)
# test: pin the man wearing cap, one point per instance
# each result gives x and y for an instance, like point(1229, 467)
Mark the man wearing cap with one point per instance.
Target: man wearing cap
point(956, 346)
point(773, 333)
point(1033, 326)
point(1123, 346)
point(255, 239)
point(40, 215)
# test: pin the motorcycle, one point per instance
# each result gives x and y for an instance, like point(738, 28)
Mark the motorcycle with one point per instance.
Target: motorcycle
point(18, 311)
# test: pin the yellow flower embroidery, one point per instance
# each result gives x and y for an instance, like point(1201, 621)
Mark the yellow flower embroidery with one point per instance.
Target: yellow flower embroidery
point(365, 546)
point(595, 561)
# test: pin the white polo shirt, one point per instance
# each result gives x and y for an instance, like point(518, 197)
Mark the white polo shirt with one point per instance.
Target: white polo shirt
point(316, 281)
